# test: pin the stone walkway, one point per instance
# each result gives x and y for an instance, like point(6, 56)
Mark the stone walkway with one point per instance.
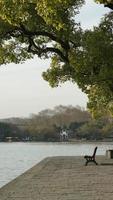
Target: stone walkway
point(63, 178)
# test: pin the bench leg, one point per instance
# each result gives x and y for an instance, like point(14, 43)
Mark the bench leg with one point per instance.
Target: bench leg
point(87, 161)
point(95, 162)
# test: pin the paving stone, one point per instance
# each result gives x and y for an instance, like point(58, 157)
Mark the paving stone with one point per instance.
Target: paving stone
point(63, 178)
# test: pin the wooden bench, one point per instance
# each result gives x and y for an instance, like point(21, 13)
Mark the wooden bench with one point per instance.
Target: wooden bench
point(91, 158)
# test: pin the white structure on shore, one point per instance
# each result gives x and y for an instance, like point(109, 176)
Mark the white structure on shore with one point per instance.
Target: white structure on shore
point(64, 136)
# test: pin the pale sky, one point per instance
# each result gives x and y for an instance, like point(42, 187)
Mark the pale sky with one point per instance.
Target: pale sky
point(22, 89)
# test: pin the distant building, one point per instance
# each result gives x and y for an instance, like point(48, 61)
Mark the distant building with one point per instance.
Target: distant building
point(11, 139)
point(64, 136)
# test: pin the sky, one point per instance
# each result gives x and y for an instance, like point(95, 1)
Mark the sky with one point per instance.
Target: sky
point(24, 92)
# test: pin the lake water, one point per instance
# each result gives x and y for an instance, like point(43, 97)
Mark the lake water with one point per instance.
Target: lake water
point(16, 158)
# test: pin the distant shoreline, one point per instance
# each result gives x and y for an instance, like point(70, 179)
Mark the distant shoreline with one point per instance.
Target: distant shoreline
point(64, 142)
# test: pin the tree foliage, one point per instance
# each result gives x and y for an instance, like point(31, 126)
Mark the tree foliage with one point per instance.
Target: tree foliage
point(48, 29)
point(95, 129)
point(44, 126)
point(91, 67)
point(107, 3)
point(47, 125)
point(100, 52)
point(11, 130)
point(36, 27)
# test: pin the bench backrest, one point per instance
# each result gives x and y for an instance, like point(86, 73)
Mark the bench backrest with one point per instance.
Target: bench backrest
point(94, 152)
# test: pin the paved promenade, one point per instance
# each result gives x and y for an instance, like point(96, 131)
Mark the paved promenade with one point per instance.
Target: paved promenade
point(63, 178)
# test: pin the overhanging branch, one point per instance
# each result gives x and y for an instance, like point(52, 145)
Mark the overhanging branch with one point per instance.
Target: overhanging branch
point(65, 45)
point(33, 48)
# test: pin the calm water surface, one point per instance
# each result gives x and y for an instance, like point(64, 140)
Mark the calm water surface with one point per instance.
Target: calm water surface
point(16, 158)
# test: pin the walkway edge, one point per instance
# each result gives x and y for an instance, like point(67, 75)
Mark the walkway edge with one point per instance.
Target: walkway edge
point(39, 166)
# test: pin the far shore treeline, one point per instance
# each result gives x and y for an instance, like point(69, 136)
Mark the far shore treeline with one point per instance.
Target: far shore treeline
point(47, 125)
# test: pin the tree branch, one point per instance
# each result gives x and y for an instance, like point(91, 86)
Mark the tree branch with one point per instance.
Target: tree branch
point(39, 51)
point(64, 45)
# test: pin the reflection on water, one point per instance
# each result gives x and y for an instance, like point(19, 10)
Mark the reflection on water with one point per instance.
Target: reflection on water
point(16, 158)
